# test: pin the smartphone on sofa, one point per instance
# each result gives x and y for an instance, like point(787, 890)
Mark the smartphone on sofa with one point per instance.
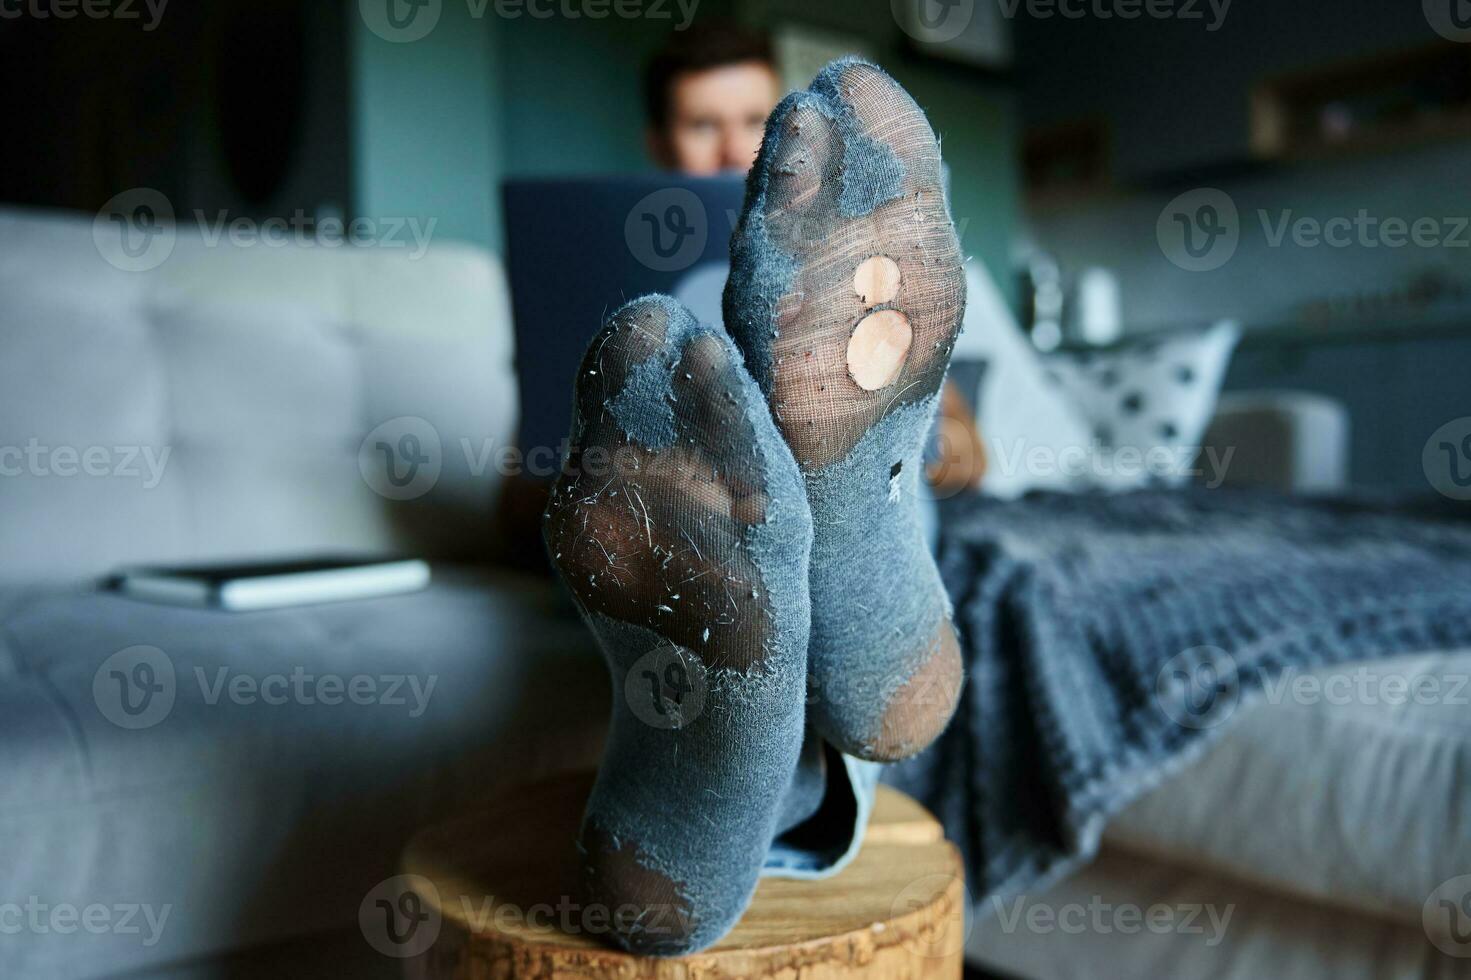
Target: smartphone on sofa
point(272, 584)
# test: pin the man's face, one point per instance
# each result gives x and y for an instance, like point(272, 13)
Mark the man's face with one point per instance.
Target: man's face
point(716, 118)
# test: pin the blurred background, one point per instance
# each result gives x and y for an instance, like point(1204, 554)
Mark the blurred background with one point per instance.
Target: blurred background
point(1067, 133)
point(1233, 233)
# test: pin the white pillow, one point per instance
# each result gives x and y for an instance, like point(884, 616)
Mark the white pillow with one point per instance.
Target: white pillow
point(1115, 419)
point(1147, 403)
point(1027, 429)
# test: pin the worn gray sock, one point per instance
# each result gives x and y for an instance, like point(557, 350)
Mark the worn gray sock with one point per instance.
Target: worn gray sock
point(845, 295)
point(681, 527)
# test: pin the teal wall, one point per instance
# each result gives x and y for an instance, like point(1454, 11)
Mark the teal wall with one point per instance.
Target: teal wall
point(425, 118)
point(573, 101)
point(439, 121)
point(977, 127)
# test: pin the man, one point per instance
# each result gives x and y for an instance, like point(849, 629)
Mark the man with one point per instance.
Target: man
point(707, 94)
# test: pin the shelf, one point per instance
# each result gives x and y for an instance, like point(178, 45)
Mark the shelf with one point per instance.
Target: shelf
point(1370, 105)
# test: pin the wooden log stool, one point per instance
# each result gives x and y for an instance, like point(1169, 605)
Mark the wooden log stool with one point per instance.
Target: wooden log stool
point(496, 892)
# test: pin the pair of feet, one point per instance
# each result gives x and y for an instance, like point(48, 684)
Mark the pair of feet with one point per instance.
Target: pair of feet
point(739, 517)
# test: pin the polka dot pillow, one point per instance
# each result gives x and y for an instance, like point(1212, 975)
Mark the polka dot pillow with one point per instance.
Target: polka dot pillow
point(1147, 403)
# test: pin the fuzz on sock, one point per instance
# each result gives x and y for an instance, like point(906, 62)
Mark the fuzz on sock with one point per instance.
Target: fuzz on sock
point(681, 527)
point(846, 294)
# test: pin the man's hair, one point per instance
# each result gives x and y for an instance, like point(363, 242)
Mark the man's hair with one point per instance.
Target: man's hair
point(709, 44)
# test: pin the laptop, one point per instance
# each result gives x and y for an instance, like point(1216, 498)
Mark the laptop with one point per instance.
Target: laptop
point(579, 247)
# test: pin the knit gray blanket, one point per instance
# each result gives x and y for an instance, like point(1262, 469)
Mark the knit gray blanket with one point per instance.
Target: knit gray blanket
point(1109, 637)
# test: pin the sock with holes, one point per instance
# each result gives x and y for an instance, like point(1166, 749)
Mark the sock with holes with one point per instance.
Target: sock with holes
point(681, 527)
point(845, 295)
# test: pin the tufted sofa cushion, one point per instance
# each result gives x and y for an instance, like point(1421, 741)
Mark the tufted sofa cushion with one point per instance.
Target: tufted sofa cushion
point(249, 819)
point(1346, 785)
point(216, 406)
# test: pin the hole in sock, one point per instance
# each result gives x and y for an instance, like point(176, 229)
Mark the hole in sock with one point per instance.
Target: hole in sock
point(876, 280)
point(878, 348)
point(920, 709)
point(840, 253)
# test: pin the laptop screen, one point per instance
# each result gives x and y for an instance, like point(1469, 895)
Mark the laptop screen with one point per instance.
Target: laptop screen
point(577, 248)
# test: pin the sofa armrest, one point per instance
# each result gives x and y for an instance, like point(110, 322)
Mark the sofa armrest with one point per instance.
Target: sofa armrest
point(1286, 440)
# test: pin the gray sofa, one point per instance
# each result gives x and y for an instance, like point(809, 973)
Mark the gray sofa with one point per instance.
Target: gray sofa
point(271, 375)
point(259, 372)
